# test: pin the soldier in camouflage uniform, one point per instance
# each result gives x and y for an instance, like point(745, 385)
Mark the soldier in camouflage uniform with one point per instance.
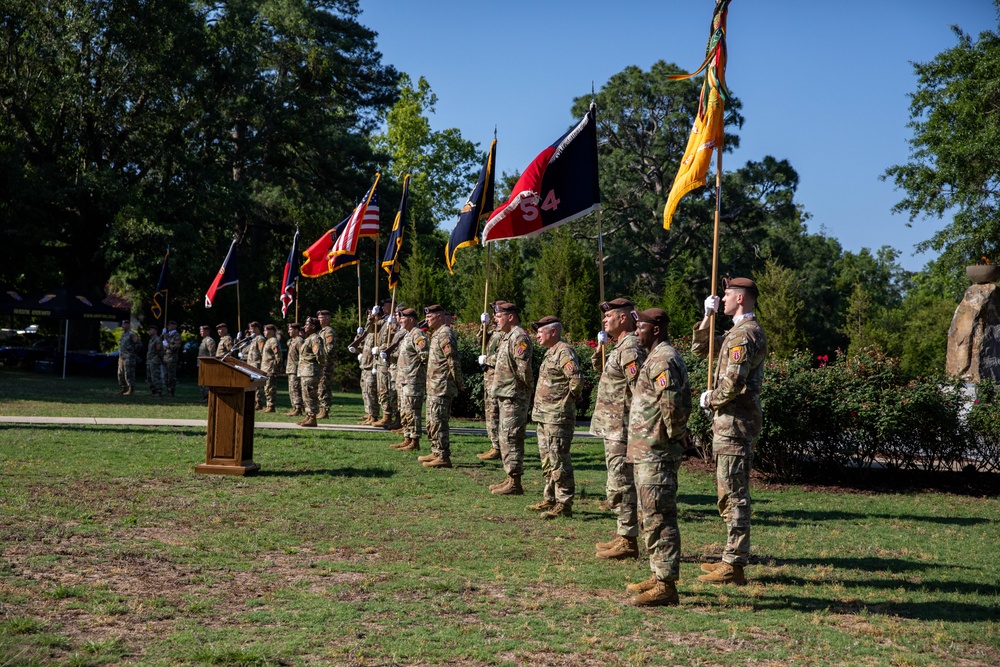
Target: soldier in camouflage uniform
point(413, 351)
point(154, 362)
point(386, 387)
point(128, 349)
point(206, 348)
point(444, 382)
point(657, 438)
point(610, 421)
point(225, 345)
point(560, 385)
point(171, 355)
point(392, 355)
point(488, 363)
point(513, 381)
point(292, 370)
point(326, 380)
point(252, 354)
point(312, 360)
point(365, 341)
point(735, 404)
point(270, 363)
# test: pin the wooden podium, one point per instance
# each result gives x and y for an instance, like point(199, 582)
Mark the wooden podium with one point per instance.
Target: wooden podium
point(231, 388)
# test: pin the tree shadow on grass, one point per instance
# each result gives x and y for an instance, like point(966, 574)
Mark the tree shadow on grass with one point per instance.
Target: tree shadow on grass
point(792, 518)
point(930, 610)
point(329, 472)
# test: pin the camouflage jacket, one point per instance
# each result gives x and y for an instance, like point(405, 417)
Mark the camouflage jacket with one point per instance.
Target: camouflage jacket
point(739, 376)
point(270, 360)
point(253, 352)
point(225, 347)
point(444, 372)
point(560, 384)
point(661, 404)
point(367, 360)
point(128, 345)
point(383, 339)
point(312, 356)
point(172, 346)
point(292, 361)
point(513, 376)
point(207, 347)
point(329, 337)
point(154, 350)
point(614, 391)
point(411, 372)
point(492, 345)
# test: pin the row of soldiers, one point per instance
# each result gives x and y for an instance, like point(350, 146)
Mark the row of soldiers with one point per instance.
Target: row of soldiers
point(162, 356)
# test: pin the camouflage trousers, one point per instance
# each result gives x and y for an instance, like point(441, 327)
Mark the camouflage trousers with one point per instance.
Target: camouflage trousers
point(369, 392)
point(621, 487)
point(513, 417)
point(154, 378)
point(387, 393)
point(438, 425)
point(554, 442)
point(270, 390)
point(324, 387)
point(492, 420)
point(656, 486)
point(732, 477)
point(410, 408)
point(310, 393)
point(126, 373)
point(170, 375)
point(295, 391)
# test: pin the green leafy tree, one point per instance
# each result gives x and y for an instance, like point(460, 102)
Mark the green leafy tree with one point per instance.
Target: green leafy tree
point(781, 310)
point(564, 284)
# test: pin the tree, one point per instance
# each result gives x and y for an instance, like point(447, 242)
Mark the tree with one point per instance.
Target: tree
point(564, 284)
point(780, 310)
point(954, 161)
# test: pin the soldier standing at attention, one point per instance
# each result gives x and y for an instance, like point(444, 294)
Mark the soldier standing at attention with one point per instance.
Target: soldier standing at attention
point(737, 418)
point(292, 370)
point(225, 345)
point(657, 438)
point(386, 389)
point(393, 358)
point(444, 382)
point(312, 359)
point(488, 363)
point(154, 362)
point(270, 363)
point(560, 384)
point(128, 348)
point(366, 362)
point(325, 390)
point(411, 378)
point(205, 349)
point(253, 353)
point(513, 381)
point(610, 421)
point(171, 355)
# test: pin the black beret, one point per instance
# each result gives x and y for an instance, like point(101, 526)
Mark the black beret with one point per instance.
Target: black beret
point(408, 312)
point(653, 316)
point(507, 307)
point(615, 304)
point(544, 322)
point(221, 325)
point(322, 313)
point(434, 309)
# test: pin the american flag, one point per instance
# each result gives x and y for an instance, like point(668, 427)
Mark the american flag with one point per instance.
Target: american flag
point(363, 222)
point(369, 224)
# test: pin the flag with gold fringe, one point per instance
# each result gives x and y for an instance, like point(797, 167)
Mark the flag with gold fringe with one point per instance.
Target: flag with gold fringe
point(707, 135)
point(477, 208)
point(390, 263)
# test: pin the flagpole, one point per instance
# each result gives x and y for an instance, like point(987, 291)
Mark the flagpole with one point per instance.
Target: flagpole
point(486, 294)
point(297, 297)
point(715, 261)
point(358, 265)
point(239, 316)
point(600, 266)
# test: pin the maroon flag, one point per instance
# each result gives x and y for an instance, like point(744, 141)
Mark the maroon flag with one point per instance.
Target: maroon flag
point(228, 275)
point(290, 276)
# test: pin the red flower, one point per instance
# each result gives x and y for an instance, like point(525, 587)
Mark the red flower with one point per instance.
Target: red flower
point(592, 344)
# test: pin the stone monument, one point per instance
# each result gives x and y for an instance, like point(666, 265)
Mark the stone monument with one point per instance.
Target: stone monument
point(974, 335)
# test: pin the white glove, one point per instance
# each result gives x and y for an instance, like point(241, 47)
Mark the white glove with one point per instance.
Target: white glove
point(361, 330)
point(711, 305)
point(376, 311)
point(375, 351)
point(359, 357)
point(482, 359)
point(352, 349)
point(383, 356)
point(602, 337)
point(374, 371)
point(706, 396)
point(485, 318)
point(391, 319)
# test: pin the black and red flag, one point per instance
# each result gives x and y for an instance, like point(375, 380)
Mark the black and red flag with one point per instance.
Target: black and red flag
point(479, 205)
point(228, 274)
point(560, 185)
point(290, 276)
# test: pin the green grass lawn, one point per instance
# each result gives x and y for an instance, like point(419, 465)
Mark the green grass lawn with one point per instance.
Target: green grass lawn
point(342, 551)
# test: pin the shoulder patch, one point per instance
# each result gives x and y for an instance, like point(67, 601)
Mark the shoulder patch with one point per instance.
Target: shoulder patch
point(661, 380)
point(521, 348)
point(569, 367)
point(736, 353)
point(421, 342)
point(632, 369)
point(315, 348)
point(447, 348)
point(329, 338)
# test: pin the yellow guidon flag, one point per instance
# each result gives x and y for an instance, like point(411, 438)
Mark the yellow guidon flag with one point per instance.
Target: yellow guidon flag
point(707, 135)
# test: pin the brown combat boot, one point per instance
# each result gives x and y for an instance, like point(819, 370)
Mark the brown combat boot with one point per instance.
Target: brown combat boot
point(506, 480)
point(560, 510)
point(661, 594)
point(489, 455)
point(604, 546)
point(543, 506)
point(726, 573)
point(623, 547)
point(642, 586)
point(365, 421)
point(381, 422)
point(414, 446)
point(269, 408)
point(398, 431)
point(294, 412)
point(308, 421)
point(401, 445)
point(511, 488)
point(605, 506)
point(394, 423)
point(710, 567)
point(128, 392)
point(427, 457)
point(323, 413)
point(444, 462)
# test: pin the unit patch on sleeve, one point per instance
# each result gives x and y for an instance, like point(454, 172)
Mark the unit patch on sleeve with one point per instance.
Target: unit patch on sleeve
point(736, 353)
point(569, 367)
point(661, 380)
point(632, 368)
point(520, 349)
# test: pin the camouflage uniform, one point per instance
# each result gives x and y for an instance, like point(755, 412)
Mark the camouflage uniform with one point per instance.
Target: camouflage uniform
point(737, 421)
point(128, 348)
point(394, 368)
point(610, 421)
point(312, 359)
point(206, 349)
point(489, 400)
point(270, 363)
point(369, 382)
point(224, 347)
point(657, 438)
point(513, 381)
point(253, 353)
point(412, 379)
point(171, 355)
point(326, 379)
point(444, 377)
point(560, 384)
point(154, 365)
point(292, 371)
point(387, 399)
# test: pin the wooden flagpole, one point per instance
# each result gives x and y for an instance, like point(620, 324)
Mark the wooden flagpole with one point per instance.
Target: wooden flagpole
point(297, 299)
point(486, 295)
point(358, 266)
point(239, 314)
point(600, 265)
point(715, 261)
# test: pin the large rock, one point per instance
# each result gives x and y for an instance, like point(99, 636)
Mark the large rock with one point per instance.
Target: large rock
point(974, 336)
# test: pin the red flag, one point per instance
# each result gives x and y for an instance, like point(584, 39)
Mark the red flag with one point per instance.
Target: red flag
point(290, 276)
point(228, 275)
point(318, 256)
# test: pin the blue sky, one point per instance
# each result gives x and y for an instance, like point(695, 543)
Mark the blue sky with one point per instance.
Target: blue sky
point(823, 84)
